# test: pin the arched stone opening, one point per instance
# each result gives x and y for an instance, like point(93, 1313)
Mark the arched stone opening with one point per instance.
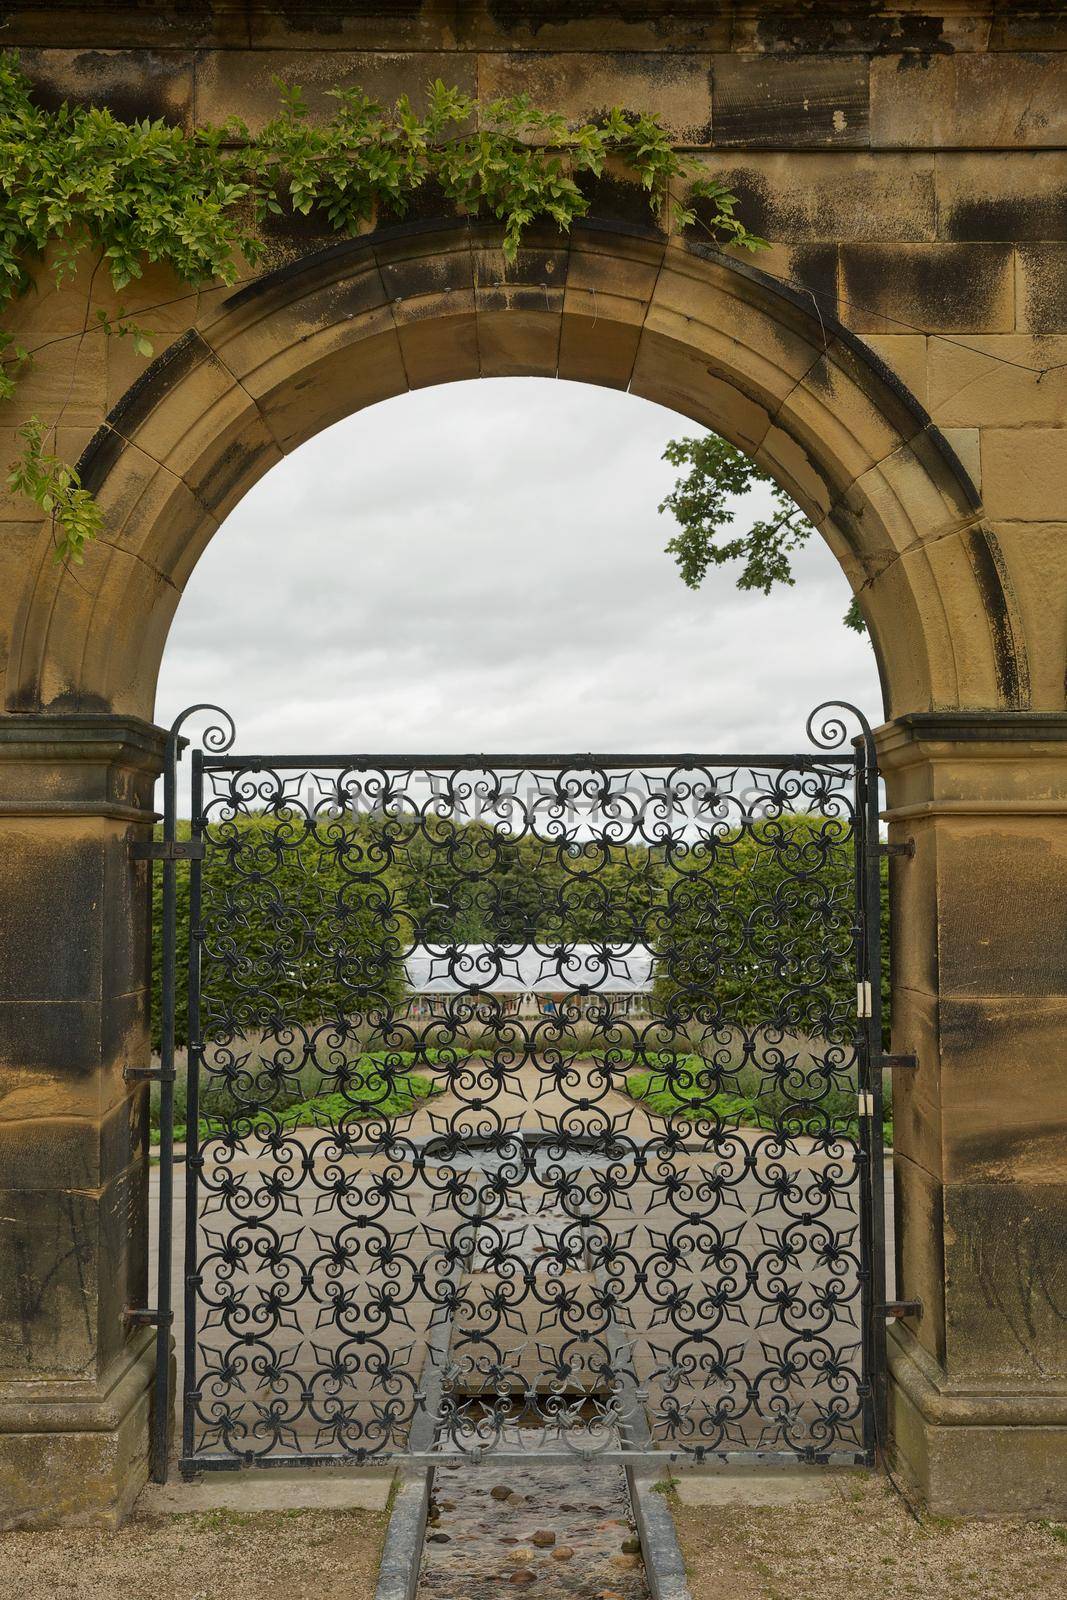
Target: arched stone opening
point(714, 339)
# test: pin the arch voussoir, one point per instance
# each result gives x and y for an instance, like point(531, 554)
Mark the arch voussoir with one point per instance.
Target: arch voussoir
point(685, 326)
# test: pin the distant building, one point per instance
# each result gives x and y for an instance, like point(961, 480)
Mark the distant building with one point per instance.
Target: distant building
point(528, 980)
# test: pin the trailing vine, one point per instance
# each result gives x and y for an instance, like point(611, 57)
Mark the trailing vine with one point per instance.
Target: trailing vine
point(78, 182)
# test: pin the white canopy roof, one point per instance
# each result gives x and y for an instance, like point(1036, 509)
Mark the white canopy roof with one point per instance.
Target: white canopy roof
point(529, 969)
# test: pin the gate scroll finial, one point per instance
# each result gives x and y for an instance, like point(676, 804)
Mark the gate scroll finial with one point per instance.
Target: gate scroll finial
point(833, 731)
point(218, 737)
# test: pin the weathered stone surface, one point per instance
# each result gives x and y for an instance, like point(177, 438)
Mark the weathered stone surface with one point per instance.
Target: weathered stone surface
point(790, 103)
point(967, 444)
point(425, 306)
point(1041, 289)
point(1002, 195)
point(946, 288)
point(582, 83)
point(1024, 474)
point(800, 196)
point(1003, 99)
point(73, 1146)
point(75, 1454)
point(54, 385)
point(1035, 555)
point(1018, 865)
point(131, 83)
point(981, 1127)
point(240, 83)
point(953, 1447)
point(905, 354)
point(996, 379)
point(874, 29)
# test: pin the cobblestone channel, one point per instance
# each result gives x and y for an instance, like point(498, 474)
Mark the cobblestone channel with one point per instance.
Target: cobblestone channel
point(552, 1530)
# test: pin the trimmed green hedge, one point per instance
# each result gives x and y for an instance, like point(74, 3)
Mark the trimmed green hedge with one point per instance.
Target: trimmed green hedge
point(306, 926)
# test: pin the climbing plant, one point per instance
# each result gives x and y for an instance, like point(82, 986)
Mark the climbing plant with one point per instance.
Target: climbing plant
point(78, 182)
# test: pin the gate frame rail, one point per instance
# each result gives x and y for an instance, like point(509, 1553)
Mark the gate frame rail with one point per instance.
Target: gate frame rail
point(872, 1061)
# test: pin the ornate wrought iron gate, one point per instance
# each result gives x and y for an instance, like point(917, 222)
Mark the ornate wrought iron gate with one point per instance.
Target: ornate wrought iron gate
point(531, 1104)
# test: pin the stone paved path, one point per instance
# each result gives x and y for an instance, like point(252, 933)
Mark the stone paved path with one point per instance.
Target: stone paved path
point(558, 1532)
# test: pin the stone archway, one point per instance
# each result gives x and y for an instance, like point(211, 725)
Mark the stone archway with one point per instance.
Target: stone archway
point(712, 338)
point(978, 983)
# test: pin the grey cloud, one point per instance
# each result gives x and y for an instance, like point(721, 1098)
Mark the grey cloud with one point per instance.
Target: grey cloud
point(482, 565)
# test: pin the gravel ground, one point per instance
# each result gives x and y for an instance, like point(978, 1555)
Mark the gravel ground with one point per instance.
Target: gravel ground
point(866, 1544)
point(216, 1555)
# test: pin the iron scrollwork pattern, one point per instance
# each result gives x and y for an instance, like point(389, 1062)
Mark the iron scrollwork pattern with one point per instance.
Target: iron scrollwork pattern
point(522, 1109)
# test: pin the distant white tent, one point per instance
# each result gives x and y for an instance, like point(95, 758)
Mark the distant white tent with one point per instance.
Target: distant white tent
point(616, 969)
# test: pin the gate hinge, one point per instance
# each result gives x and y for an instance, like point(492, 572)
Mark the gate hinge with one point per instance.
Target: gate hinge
point(148, 1075)
point(906, 847)
point(895, 1309)
point(166, 849)
point(906, 1063)
point(146, 1317)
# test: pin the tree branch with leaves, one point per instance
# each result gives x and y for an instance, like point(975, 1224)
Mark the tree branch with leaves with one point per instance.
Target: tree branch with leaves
point(700, 503)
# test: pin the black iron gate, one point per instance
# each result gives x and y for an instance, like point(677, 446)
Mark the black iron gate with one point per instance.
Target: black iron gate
point(531, 1103)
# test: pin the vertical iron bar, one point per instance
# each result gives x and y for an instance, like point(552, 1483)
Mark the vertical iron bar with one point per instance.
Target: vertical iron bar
point(872, 922)
point(192, 1116)
point(162, 1419)
point(863, 1137)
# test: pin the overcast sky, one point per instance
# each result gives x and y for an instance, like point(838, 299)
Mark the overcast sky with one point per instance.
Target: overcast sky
point(480, 566)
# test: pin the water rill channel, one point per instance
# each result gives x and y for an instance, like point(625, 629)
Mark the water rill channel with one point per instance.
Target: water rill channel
point(556, 1529)
point(559, 1528)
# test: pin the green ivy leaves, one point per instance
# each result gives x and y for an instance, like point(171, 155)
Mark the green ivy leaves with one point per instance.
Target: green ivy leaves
point(80, 181)
point(54, 485)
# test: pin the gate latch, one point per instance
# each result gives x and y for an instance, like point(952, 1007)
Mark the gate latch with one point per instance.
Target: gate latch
point(166, 849)
point(904, 1063)
point(148, 1075)
point(893, 1310)
point(146, 1317)
point(905, 848)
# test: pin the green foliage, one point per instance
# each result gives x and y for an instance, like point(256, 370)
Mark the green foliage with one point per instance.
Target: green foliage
point(470, 883)
point(79, 181)
point(377, 1084)
point(761, 929)
point(743, 933)
point(688, 1090)
point(700, 505)
point(56, 488)
point(271, 953)
point(294, 940)
point(374, 1092)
